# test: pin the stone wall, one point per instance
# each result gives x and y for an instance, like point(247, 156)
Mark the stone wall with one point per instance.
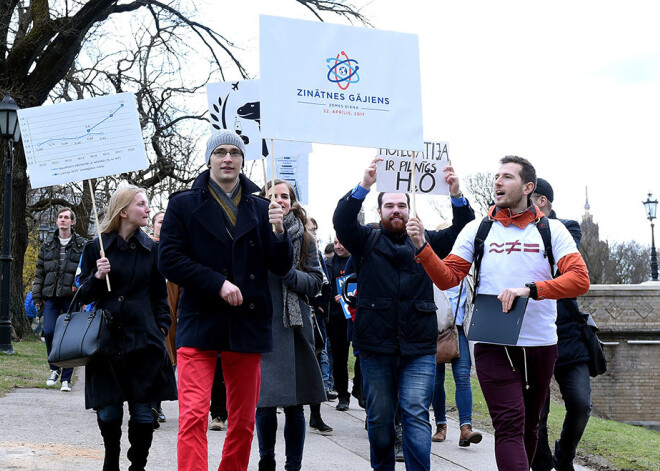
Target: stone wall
point(629, 320)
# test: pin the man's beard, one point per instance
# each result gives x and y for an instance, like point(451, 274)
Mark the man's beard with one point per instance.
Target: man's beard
point(395, 227)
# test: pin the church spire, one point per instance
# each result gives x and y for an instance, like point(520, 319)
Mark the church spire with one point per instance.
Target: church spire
point(586, 204)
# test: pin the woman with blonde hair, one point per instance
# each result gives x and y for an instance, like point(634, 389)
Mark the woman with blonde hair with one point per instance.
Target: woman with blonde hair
point(135, 367)
point(290, 374)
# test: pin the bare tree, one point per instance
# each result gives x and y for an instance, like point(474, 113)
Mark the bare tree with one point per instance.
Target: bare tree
point(479, 188)
point(630, 262)
point(39, 43)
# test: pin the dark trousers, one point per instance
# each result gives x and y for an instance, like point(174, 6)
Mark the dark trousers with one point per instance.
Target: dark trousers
point(575, 386)
point(219, 394)
point(515, 386)
point(53, 307)
point(294, 434)
point(338, 339)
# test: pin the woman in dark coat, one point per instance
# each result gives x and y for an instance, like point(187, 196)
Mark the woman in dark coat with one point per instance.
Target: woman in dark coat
point(136, 367)
point(290, 374)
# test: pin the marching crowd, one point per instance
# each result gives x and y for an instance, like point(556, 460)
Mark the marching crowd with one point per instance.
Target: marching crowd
point(232, 308)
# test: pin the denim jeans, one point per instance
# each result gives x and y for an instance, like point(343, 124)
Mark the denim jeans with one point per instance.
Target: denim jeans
point(53, 307)
point(408, 379)
point(575, 386)
point(331, 378)
point(460, 368)
point(294, 434)
point(140, 412)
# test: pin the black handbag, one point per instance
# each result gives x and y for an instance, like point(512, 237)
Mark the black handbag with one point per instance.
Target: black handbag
point(79, 336)
point(597, 361)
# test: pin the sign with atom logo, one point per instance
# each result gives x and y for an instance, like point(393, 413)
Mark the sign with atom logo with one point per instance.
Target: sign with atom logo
point(340, 88)
point(343, 71)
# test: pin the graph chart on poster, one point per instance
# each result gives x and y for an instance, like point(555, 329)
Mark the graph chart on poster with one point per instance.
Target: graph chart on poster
point(82, 139)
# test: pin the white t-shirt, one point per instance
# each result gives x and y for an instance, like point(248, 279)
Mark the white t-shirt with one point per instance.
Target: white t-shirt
point(512, 257)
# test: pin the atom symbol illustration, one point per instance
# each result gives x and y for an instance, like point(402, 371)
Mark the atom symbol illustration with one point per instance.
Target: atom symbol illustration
point(343, 72)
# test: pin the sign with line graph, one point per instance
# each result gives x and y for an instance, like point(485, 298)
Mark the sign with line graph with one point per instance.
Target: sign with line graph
point(82, 139)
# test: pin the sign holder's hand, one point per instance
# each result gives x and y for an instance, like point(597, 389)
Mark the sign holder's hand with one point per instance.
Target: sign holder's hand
point(276, 216)
point(415, 230)
point(370, 173)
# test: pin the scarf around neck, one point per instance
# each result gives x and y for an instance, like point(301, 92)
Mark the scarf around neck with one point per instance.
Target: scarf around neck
point(292, 316)
point(229, 204)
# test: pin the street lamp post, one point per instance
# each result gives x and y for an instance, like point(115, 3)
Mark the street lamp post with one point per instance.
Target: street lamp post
point(10, 133)
point(651, 207)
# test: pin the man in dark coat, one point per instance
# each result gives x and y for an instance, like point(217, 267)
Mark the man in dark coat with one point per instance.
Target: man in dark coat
point(395, 326)
point(53, 285)
point(571, 368)
point(218, 242)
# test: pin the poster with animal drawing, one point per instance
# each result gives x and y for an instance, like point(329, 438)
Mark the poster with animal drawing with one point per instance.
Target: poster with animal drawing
point(236, 106)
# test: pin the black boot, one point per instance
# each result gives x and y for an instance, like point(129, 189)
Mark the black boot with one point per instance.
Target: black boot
point(267, 463)
point(139, 436)
point(111, 433)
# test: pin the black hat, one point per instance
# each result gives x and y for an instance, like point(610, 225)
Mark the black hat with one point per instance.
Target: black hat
point(543, 188)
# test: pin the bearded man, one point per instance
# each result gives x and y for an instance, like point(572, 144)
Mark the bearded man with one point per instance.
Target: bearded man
point(395, 326)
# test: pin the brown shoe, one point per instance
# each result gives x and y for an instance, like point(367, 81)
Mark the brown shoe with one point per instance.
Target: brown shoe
point(468, 436)
point(440, 433)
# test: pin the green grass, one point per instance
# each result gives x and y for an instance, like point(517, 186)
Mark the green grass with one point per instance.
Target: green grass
point(27, 368)
point(606, 444)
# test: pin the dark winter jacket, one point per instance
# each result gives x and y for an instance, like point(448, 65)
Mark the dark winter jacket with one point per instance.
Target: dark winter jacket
point(395, 307)
point(50, 279)
point(136, 366)
point(198, 254)
point(570, 345)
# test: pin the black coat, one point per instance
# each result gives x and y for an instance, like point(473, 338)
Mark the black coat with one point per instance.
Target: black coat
point(136, 366)
point(50, 279)
point(198, 254)
point(571, 347)
point(395, 307)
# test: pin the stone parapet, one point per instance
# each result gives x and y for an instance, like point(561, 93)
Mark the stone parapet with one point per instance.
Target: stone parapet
point(629, 320)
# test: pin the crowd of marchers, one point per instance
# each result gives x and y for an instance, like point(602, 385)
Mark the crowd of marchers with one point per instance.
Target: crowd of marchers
point(226, 302)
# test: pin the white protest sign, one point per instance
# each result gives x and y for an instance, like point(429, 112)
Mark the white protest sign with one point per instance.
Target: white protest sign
point(236, 106)
point(395, 171)
point(295, 170)
point(338, 84)
point(83, 139)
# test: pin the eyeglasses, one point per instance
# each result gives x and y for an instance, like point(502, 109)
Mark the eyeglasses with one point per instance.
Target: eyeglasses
point(313, 229)
point(222, 152)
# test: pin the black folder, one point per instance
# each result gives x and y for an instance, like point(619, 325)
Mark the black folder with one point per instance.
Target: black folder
point(489, 324)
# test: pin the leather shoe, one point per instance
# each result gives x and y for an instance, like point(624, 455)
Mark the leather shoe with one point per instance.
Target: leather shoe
point(440, 433)
point(468, 436)
point(343, 405)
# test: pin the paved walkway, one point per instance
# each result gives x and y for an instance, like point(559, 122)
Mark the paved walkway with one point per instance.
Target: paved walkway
point(49, 430)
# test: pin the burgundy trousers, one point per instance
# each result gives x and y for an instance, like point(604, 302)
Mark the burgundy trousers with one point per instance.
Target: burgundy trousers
point(515, 387)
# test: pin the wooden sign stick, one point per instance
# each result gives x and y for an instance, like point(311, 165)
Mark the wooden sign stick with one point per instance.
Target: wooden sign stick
point(98, 230)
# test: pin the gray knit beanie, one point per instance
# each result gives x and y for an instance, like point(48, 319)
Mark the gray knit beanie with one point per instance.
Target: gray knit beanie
point(223, 136)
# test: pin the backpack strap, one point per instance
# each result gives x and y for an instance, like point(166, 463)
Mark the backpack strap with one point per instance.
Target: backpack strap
point(480, 238)
point(543, 227)
point(368, 248)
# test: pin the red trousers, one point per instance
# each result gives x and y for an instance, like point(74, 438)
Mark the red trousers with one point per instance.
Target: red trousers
point(242, 373)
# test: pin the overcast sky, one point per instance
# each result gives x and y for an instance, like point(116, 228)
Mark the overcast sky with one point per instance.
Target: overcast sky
point(572, 86)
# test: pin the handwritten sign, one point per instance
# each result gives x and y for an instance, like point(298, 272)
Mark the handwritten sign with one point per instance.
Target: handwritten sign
point(395, 171)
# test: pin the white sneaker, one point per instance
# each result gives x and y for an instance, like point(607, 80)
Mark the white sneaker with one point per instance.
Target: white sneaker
point(65, 386)
point(52, 379)
point(217, 424)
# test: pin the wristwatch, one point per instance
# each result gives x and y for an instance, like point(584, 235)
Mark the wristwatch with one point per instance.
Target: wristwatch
point(533, 292)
